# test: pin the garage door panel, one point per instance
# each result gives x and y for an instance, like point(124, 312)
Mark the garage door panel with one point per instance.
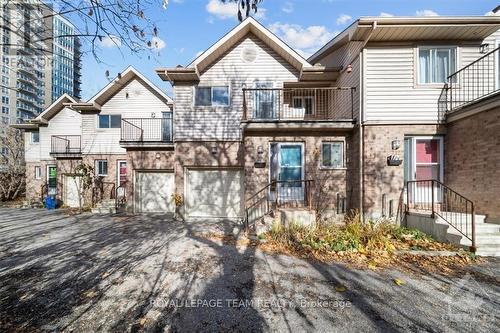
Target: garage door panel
point(154, 192)
point(214, 193)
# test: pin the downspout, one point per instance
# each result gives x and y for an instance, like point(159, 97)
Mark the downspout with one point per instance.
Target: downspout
point(361, 125)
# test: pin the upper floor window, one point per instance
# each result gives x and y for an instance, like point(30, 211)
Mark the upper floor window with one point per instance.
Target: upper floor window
point(109, 121)
point(101, 167)
point(38, 172)
point(35, 137)
point(211, 96)
point(435, 64)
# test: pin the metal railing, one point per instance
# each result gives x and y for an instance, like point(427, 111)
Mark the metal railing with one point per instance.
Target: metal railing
point(278, 194)
point(477, 80)
point(66, 144)
point(269, 104)
point(121, 196)
point(438, 199)
point(147, 129)
point(102, 191)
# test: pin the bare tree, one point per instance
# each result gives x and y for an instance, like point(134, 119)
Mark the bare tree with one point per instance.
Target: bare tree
point(245, 7)
point(12, 167)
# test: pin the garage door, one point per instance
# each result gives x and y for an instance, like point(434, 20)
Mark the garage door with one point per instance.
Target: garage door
point(71, 185)
point(154, 192)
point(214, 193)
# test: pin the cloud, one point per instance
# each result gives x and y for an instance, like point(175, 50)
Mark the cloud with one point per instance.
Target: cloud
point(222, 10)
point(111, 41)
point(343, 19)
point(157, 43)
point(426, 12)
point(287, 7)
point(306, 40)
point(384, 14)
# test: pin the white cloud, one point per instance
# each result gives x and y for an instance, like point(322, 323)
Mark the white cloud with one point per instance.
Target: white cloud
point(426, 12)
point(157, 43)
point(222, 10)
point(260, 15)
point(111, 41)
point(384, 14)
point(199, 53)
point(287, 7)
point(306, 40)
point(343, 19)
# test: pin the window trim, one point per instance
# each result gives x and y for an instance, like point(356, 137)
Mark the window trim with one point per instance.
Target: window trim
point(212, 95)
point(39, 168)
point(109, 119)
point(97, 168)
point(31, 137)
point(416, 61)
point(329, 142)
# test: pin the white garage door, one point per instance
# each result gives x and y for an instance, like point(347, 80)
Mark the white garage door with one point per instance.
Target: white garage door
point(214, 193)
point(154, 192)
point(71, 186)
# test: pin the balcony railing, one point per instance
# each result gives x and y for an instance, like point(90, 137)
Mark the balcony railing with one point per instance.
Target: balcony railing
point(66, 144)
point(476, 81)
point(274, 104)
point(147, 129)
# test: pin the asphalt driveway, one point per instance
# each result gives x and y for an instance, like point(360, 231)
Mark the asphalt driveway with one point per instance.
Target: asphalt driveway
point(90, 273)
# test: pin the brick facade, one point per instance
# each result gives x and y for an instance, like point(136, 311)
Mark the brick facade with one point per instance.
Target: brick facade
point(472, 158)
point(378, 177)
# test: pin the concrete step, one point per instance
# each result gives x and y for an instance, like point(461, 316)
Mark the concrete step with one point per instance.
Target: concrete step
point(104, 210)
point(488, 250)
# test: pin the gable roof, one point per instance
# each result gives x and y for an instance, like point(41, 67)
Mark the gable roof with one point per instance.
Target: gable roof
point(396, 29)
point(94, 104)
point(249, 25)
point(54, 108)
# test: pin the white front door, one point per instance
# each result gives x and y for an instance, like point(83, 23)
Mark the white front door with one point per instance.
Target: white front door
point(121, 177)
point(72, 188)
point(154, 192)
point(214, 193)
point(423, 163)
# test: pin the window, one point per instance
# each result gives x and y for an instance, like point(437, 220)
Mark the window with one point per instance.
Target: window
point(38, 172)
point(35, 137)
point(304, 103)
point(435, 64)
point(102, 167)
point(211, 96)
point(332, 155)
point(109, 121)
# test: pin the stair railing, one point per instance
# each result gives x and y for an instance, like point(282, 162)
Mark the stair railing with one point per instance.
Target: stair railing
point(121, 196)
point(438, 199)
point(278, 194)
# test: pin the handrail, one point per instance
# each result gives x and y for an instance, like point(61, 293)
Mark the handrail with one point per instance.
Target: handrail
point(475, 61)
point(452, 207)
point(119, 202)
point(304, 196)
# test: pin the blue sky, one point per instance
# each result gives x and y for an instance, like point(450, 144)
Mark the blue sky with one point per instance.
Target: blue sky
point(187, 27)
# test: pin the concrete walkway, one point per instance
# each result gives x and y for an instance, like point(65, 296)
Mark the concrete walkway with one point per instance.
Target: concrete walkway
point(147, 273)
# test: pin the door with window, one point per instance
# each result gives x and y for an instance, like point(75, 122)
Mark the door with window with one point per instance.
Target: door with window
point(423, 161)
point(287, 167)
point(166, 127)
point(121, 177)
point(302, 107)
point(265, 99)
point(51, 180)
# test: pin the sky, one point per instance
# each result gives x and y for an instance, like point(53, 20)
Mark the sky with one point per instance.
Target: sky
point(188, 27)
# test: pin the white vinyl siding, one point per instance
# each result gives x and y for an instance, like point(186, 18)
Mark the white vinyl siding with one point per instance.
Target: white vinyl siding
point(141, 103)
point(65, 122)
point(392, 93)
point(223, 123)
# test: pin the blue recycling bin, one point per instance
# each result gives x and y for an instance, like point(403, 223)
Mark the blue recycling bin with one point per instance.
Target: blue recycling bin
point(50, 202)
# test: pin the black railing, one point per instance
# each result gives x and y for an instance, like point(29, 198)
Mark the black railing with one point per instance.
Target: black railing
point(269, 104)
point(476, 81)
point(147, 129)
point(66, 144)
point(434, 197)
point(278, 194)
point(121, 196)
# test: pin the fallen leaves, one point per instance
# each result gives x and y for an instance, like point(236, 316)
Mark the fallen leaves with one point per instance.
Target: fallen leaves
point(399, 282)
point(340, 289)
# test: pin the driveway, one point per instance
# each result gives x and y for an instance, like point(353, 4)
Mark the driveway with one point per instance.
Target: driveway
point(92, 273)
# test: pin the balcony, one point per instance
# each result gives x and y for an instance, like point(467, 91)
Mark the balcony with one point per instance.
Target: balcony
point(304, 108)
point(475, 83)
point(147, 132)
point(66, 146)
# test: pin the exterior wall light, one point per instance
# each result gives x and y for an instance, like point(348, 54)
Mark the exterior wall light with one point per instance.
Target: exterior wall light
point(158, 156)
point(349, 68)
point(395, 144)
point(213, 150)
point(259, 161)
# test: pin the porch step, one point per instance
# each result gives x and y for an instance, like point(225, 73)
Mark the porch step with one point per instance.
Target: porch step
point(105, 207)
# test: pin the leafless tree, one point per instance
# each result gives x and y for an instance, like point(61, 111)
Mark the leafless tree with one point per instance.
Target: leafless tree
point(12, 167)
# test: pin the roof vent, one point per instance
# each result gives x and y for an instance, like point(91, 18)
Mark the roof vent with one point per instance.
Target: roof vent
point(249, 53)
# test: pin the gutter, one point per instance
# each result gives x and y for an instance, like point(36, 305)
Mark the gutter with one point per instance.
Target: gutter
point(361, 125)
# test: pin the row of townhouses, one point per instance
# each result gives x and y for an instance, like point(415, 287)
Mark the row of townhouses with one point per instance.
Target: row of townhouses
point(394, 115)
